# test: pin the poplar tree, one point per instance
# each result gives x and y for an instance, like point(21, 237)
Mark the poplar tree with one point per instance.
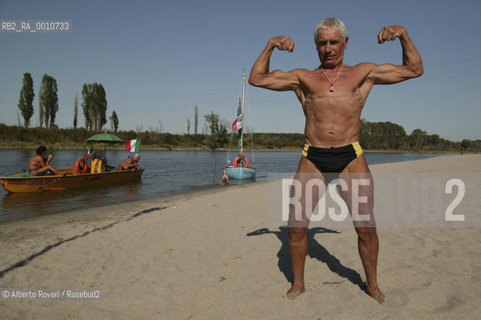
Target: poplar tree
point(94, 106)
point(196, 119)
point(41, 111)
point(75, 111)
point(25, 103)
point(49, 100)
point(114, 121)
point(87, 105)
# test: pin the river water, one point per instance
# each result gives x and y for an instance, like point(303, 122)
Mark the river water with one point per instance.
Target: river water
point(166, 173)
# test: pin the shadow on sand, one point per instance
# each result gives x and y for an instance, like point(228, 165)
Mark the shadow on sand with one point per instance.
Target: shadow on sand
point(315, 250)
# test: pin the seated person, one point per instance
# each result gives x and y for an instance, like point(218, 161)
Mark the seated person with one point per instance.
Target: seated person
point(39, 164)
point(130, 163)
point(101, 156)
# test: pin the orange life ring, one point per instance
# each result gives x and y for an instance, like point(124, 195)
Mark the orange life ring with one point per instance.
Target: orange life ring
point(82, 169)
point(236, 162)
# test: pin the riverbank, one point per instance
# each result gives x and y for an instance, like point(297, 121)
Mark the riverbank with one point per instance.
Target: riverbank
point(212, 255)
point(30, 146)
point(17, 137)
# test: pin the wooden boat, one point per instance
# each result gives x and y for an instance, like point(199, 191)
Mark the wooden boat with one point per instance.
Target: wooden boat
point(69, 179)
point(240, 169)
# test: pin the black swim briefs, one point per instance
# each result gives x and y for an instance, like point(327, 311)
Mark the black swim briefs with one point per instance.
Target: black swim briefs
point(332, 159)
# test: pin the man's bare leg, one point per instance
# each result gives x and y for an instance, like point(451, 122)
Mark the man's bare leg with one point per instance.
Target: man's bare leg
point(368, 246)
point(298, 250)
point(368, 242)
point(298, 229)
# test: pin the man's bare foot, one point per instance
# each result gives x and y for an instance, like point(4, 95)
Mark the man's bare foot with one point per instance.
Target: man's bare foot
point(294, 292)
point(376, 294)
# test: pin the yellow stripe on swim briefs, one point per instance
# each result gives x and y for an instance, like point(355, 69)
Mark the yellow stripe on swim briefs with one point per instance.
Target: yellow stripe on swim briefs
point(304, 151)
point(357, 148)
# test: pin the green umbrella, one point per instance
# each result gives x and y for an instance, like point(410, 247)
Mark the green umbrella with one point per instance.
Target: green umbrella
point(105, 137)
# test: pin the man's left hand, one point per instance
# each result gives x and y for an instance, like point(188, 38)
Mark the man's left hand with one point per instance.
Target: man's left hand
point(390, 33)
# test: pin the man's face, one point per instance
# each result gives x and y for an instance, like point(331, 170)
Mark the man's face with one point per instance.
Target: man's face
point(330, 47)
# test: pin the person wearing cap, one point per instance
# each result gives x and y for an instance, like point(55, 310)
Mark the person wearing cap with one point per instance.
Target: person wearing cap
point(130, 163)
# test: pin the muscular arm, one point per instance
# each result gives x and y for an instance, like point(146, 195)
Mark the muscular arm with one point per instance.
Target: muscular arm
point(276, 80)
point(412, 66)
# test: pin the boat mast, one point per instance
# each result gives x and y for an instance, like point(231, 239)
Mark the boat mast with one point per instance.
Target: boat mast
point(241, 148)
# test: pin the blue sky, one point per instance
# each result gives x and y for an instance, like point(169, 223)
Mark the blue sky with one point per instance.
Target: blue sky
point(158, 59)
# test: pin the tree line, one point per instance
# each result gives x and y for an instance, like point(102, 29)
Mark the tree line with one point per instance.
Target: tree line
point(375, 136)
point(372, 135)
point(94, 107)
point(392, 136)
point(94, 104)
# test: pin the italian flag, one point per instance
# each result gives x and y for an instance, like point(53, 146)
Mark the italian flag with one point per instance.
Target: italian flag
point(237, 125)
point(133, 145)
point(90, 152)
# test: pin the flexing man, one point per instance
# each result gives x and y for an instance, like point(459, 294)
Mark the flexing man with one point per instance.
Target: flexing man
point(332, 98)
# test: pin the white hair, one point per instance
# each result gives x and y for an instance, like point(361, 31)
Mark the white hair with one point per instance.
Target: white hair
point(331, 24)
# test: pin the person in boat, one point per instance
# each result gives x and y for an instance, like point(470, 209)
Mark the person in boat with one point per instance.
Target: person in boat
point(332, 98)
point(39, 164)
point(102, 157)
point(130, 163)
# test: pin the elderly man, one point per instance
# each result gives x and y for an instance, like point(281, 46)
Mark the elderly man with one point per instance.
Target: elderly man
point(332, 97)
point(130, 163)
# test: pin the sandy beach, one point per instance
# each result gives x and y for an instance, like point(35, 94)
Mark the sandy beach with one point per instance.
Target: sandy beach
point(215, 254)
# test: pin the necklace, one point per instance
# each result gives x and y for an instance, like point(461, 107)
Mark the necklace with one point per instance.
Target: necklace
point(331, 83)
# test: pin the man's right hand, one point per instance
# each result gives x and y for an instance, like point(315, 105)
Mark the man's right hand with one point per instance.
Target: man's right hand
point(284, 43)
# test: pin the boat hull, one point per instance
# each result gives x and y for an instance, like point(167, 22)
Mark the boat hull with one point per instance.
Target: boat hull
point(71, 181)
point(240, 173)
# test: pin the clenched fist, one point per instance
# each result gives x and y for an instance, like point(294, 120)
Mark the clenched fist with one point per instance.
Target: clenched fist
point(284, 43)
point(390, 33)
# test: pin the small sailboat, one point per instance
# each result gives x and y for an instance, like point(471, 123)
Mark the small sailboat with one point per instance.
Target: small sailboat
point(240, 169)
